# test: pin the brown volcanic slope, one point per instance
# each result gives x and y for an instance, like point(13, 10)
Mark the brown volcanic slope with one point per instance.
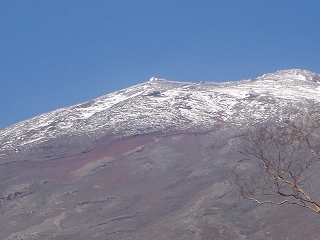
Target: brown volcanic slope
point(147, 162)
point(156, 186)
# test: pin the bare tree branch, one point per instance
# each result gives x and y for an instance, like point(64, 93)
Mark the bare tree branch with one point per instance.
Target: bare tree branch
point(285, 153)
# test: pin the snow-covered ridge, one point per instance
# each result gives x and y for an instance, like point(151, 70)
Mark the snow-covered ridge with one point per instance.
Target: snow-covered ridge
point(292, 74)
point(161, 105)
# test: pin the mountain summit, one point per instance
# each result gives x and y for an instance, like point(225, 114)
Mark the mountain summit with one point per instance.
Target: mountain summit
point(292, 74)
point(161, 105)
point(146, 162)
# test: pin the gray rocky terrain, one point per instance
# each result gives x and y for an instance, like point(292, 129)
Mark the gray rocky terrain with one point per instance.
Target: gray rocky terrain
point(148, 162)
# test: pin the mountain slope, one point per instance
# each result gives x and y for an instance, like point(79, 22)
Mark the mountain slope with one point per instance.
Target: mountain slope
point(160, 105)
point(146, 163)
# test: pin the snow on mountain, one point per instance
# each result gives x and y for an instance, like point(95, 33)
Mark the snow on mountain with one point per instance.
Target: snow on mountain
point(161, 105)
point(292, 74)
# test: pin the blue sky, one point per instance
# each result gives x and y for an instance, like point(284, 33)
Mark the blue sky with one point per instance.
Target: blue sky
point(58, 53)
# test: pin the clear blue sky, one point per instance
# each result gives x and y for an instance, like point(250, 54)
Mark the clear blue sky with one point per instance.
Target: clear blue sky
point(58, 53)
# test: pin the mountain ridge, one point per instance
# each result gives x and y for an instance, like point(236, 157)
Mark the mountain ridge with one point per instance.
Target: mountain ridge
point(162, 105)
point(147, 162)
point(298, 74)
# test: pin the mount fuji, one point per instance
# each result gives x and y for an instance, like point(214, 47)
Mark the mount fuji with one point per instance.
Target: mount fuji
point(146, 163)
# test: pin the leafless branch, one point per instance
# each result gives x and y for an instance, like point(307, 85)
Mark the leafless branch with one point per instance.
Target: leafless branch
point(285, 153)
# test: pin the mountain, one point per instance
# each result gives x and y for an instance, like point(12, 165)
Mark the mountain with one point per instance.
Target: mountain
point(146, 163)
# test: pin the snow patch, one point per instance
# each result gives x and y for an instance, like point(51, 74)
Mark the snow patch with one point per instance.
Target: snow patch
point(154, 79)
point(159, 105)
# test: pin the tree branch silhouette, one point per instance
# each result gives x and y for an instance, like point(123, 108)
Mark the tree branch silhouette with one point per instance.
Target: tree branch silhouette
point(285, 153)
